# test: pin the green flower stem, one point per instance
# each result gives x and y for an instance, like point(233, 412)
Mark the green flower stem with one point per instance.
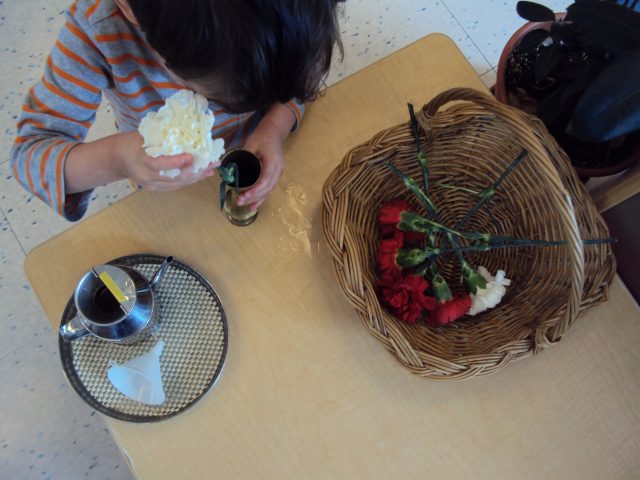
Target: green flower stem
point(486, 248)
point(424, 225)
point(454, 244)
point(439, 285)
point(422, 157)
point(422, 269)
point(600, 241)
point(223, 191)
point(410, 221)
point(412, 185)
point(453, 187)
point(491, 240)
point(487, 193)
point(413, 257)
point(406, 258)
point(228, 176)
point(472, 278)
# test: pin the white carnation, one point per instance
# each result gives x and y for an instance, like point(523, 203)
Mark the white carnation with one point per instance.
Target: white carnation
point(182, 125)
point(489, 297)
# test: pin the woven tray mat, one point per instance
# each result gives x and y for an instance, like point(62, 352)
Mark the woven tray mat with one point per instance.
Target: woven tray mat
point(194, 328)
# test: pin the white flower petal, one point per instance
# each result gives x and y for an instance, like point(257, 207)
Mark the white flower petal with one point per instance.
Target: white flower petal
point(491, 296)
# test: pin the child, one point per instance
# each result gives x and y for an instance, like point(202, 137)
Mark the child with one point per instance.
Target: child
point(257, 62)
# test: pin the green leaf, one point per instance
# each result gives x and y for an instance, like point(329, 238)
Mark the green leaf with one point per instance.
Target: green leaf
point(236, 175)
point(227, 173)
point(532, 39)
point(547, 61)
point(608, 25)
point(412, 222)
point(440, 286)
point(610, 106)
point(472, 278)
point(412, 257)
point(535, 12)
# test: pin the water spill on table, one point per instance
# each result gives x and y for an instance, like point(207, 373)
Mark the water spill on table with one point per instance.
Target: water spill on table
point(298, 225)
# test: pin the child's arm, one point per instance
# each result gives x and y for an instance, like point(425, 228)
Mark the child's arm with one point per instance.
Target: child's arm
point(48, 157)
point(266, 141)
point(56, 116)
point(121, 156)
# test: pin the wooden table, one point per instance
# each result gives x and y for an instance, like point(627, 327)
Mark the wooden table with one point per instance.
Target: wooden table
point(306, 391)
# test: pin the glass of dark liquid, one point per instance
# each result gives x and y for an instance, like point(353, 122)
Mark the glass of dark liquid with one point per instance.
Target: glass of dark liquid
point(249, 171)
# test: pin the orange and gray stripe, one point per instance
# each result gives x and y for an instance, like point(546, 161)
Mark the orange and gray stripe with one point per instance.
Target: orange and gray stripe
point(97, 52)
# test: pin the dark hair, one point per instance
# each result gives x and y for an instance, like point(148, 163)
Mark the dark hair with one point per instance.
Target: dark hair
point(260, 51)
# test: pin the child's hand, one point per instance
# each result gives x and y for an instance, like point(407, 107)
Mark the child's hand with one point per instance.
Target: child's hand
point(266, 142)
point(145, 170)
point(267, 145)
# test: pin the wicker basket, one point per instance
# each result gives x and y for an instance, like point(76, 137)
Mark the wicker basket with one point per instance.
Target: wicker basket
point(469, 139)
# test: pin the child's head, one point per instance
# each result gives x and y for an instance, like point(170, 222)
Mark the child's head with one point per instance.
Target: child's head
point(245, 54)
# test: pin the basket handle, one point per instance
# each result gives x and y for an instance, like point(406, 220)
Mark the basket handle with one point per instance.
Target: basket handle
point(520, 124)
point(467, 94)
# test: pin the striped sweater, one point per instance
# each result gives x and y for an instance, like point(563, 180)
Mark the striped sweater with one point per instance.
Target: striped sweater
point(97, 52)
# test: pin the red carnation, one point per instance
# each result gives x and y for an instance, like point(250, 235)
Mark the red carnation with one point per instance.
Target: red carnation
point(389, 217)
point(411, 313)
point(406, 298)
point(387, 252)
point(390, 212)
point(450, 311)
point(417, 285)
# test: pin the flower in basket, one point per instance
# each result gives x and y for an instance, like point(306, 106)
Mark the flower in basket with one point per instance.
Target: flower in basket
point(406, 297)
point(182, 125)
point(387, 255)
point(389, 217)
point(403, 294)
point(450, 310)
point(491, 295)
point(413, 245)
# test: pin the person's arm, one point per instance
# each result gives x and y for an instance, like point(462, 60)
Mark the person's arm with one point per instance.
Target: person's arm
point(89, 165)
point(57, 114)
point(49, 157)
point(297, 108)
point(266, 142)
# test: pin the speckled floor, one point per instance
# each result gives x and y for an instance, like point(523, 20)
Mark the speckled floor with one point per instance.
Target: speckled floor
point(46, 431)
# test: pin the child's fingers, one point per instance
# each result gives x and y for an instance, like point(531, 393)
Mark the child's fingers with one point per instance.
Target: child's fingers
point(256, 205)
point(261, 190)
point(158, 186)
point(207, 172)
point(168, 162)
point(267, 182)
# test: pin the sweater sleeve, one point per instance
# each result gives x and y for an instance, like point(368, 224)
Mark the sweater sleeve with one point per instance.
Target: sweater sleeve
point(297, 108)
point(56, 116)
